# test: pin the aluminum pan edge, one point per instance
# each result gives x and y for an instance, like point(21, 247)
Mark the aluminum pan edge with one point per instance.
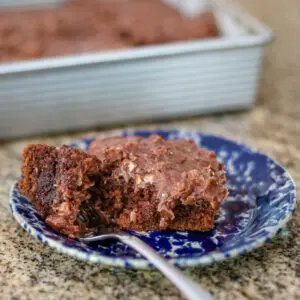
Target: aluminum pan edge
point(145, 52)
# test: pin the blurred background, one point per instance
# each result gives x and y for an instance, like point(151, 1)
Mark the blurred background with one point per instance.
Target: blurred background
point(96, 63)
point(280, 85)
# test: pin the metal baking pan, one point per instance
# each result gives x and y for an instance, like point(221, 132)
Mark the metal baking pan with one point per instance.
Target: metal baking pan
point(152, 82)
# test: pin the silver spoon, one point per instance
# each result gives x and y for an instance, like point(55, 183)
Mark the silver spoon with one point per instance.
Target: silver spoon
point(190, 289)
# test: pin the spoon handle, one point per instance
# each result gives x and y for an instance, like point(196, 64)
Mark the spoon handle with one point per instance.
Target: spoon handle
point(190, 289)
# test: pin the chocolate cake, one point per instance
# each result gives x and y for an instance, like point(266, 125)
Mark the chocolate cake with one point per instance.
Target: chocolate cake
point(133, 182)
point(79, 26)
point(59, 182)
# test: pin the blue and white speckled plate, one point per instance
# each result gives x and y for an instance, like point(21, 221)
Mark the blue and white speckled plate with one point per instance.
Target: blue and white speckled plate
point(261, 201)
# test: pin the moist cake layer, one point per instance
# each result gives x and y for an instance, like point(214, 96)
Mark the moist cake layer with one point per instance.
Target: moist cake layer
point(59, 181)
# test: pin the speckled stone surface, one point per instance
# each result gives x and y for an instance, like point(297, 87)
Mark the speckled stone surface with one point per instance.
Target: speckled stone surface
point(30, 271)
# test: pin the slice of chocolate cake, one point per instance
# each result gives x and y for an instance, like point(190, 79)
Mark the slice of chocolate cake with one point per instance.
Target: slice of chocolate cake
point(152, 183)
point(135, 183)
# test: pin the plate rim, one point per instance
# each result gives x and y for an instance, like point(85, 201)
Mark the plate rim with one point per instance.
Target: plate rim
point(141, 263)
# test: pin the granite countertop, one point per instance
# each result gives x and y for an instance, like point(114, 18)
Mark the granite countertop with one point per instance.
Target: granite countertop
point(32, 271)
point(29, 270)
